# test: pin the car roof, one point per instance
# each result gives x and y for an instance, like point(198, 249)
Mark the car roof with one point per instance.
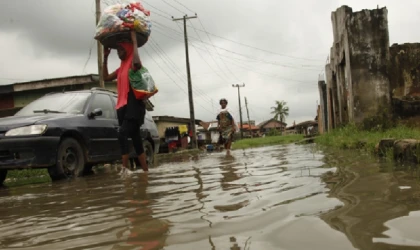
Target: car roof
point(92, 90)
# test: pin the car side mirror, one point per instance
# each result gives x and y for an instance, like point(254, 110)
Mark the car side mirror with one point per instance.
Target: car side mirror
point(95, 113)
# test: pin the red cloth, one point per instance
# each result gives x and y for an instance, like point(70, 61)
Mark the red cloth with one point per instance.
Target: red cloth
point(140, 7)
point(123, 82)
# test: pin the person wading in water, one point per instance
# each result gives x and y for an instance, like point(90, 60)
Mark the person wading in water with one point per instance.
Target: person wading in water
point(130, 111)
point(226, 125)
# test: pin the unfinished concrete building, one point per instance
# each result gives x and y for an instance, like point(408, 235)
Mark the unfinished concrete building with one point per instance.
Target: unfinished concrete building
point(404, 78)
point(358, 88)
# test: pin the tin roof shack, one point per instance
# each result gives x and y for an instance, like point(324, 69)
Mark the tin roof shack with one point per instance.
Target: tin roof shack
point(249, 131)
point(15, 96)
point(357, 74)
point(163, 122)
point(208, 132)
point(306, 128)
point(271, 124)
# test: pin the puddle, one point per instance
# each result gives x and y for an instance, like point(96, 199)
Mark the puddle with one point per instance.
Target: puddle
point(265, 198)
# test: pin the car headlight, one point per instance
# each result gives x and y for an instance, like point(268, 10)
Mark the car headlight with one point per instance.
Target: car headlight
point(28, 130)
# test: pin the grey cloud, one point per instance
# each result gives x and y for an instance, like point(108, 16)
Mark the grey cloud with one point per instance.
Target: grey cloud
point(51, 38)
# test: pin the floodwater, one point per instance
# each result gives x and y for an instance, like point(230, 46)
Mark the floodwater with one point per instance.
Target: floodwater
point(281, 197)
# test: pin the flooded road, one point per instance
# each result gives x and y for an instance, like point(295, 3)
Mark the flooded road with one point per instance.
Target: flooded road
point(266, 198)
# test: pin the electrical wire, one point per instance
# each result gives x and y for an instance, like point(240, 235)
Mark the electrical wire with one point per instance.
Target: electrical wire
point(176, 68)
point(172, 78)
point(215, 71)
point(227, 67)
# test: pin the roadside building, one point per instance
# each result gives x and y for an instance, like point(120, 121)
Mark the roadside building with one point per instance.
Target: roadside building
point(271, 124)
point(15, 96)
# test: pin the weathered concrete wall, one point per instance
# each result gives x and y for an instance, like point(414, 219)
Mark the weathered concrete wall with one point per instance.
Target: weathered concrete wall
point(331, 98)
point(340, 64)
point(369, 55)
point(323, 112)
point(404, 70)
point(357, 75)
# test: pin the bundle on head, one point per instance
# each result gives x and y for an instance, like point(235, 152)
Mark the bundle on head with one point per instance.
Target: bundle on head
point(118, 20)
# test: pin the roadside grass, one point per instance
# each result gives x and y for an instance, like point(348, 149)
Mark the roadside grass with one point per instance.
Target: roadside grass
point(350, 137)
point(27, 176)
point(37, 176)
point(266, 141)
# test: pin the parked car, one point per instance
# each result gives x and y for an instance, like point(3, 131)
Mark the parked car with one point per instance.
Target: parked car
point(68, 133)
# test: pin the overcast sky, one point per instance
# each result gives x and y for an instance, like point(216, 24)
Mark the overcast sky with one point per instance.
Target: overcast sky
point(277, 48)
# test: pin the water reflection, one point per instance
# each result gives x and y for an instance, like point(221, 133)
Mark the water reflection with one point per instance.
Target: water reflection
point(266, 198)
point(142, 230)
point(377, 209)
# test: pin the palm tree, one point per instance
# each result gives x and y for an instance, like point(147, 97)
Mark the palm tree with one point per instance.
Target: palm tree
point(280, 111)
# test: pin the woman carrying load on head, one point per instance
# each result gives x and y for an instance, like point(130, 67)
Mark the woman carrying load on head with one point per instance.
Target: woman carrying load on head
point(226, 125)
point(130, 111)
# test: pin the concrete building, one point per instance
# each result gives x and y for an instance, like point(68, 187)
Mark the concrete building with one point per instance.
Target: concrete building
point(322, 112)
point(368, 82)
point(15, 96)
point(358, 88)
point(404, 77)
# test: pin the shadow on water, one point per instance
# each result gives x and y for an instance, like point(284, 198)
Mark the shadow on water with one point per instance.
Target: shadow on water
point(381, 201)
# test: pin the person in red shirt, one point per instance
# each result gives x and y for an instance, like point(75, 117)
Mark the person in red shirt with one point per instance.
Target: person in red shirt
point(130, 111)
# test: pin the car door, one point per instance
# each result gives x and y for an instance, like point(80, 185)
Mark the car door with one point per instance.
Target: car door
point(102, 130)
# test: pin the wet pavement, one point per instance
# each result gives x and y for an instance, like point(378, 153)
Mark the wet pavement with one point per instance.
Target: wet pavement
point(282, 197)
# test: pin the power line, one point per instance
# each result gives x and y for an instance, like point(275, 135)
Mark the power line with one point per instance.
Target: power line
point(274, 76)
point(162, 16)
point(217, 73)
point(175, 81)
point(208, 51)
point(90, 53)
point(164, 12)
point(165, 71)
point(256, 48)
point(184, 6)
point(241, 66)
point(240, 54)
point(176, 68)
point(172, 66)
point(227, 39)
point(174, 7)
point(233, 41)
point(227, 67)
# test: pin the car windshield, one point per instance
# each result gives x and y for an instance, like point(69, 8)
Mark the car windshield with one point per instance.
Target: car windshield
point(72, 103)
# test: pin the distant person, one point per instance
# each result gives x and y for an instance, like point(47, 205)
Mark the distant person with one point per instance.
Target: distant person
point(226, 125)
point(130, 110)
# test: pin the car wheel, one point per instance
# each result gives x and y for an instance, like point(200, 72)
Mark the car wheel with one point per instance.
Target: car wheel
point(148, 150)
point(3, 175)
point(70, 160)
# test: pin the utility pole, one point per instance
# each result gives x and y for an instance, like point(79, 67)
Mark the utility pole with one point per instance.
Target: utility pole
point(240, 107)
point(190, 92)
point(249, 121)
point(99, 46)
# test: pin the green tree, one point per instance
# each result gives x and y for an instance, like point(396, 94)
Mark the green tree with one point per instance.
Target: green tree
point(280, 111)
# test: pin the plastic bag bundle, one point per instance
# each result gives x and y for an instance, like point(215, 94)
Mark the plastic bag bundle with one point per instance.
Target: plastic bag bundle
point(117, 20)
point(142, 83)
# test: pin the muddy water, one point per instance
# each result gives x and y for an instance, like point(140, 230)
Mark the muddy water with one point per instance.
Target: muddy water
point(268, 198)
